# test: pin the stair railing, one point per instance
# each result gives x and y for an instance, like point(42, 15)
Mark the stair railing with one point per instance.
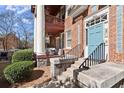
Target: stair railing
point(72, 54)
point(96, 57)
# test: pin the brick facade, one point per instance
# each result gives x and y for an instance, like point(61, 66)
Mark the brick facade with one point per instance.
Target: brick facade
point(71, 25)
point(12, 42)
point(74, 33)
point(113, 55)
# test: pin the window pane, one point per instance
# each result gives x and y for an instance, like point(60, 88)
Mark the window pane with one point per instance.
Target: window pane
point(104, 17)
point(97, 20)
point(69, 34)
point(69, 43)
point(68, 38)
point(92, 22)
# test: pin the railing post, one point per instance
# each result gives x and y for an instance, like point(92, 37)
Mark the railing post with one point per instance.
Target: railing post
point(95, 57)
point(72, 54)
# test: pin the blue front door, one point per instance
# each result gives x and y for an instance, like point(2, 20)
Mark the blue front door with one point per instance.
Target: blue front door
point(95, 37)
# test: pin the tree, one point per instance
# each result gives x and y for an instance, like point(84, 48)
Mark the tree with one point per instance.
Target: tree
point(25, 32)
point(7, 20)
point(11, 22)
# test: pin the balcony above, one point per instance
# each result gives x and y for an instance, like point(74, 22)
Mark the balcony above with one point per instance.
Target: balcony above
point(53, 24)
point(54, 16)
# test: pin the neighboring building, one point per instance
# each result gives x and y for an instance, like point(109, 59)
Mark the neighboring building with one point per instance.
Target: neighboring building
point(8, 42)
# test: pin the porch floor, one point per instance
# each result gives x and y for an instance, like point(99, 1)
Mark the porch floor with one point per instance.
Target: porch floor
point(103, 75)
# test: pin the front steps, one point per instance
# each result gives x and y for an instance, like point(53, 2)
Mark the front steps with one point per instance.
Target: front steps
point(105, 75)
point(68, 74)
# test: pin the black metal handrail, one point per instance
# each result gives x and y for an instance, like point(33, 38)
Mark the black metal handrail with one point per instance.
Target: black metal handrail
point(96, 57)
point(72, 54)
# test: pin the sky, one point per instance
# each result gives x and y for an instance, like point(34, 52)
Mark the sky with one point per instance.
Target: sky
point(22, 11)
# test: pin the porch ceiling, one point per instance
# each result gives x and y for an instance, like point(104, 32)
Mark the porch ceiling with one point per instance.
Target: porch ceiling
point(51, 9)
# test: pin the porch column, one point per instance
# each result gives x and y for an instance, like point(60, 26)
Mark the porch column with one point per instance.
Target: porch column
point(35, 32)
point(66, 12)
point(40, 30)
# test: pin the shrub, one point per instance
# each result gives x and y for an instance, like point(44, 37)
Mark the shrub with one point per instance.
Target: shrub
point(22, 55)
point(18, 71)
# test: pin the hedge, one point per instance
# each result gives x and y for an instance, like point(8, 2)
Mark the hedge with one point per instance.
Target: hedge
point(18, 71)
point(22, 55)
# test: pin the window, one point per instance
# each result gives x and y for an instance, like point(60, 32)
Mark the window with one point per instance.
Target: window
point(92, 22)
point(78, 36)
point(119, 35)
point(94, 8)
point(97, 20)
point(104, 17)
point(68, 39)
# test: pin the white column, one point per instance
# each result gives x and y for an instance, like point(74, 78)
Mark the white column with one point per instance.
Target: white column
point(66, 12)
point(35, 32)
point(40, 30)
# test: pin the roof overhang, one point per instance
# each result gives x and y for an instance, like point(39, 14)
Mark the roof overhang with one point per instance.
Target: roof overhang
point(78, 11)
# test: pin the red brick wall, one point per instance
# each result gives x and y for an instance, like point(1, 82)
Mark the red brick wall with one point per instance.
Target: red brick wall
point(68, 22)
point(69, 25)
point(12, 42)
point(113, 55)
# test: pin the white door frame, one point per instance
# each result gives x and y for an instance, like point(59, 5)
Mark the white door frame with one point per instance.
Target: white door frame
point(105, 11)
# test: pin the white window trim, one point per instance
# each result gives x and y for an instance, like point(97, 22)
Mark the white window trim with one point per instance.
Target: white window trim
point(67, 40)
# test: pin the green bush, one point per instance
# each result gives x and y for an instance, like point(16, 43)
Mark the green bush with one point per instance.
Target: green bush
point(22, 55)
point(18, 71)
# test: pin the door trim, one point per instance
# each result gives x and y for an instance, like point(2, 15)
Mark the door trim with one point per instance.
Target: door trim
point(90, 18)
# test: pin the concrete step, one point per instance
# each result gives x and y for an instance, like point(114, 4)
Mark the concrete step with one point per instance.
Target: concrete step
point(104, 75)
point(75, 65)
point(70, 70)
point(68, 74)
point(81, 60)
point(63, 78)
point(77, 62)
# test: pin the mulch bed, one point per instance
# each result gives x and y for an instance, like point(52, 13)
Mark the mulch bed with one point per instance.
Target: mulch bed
point(39, 76)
